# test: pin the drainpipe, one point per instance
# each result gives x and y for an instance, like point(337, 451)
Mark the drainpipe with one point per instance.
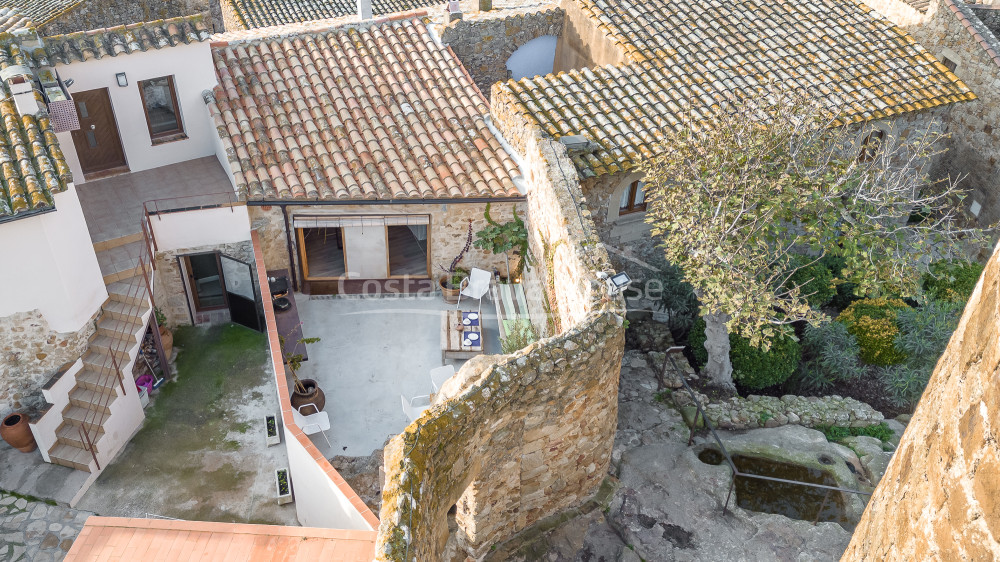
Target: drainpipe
point(365, 9)
point(288, 246)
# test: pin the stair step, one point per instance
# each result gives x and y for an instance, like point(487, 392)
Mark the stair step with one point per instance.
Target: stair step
point(116, 326)
point(100, 398)
point(130, 290)
point(101, 362)
point(77, 415)
point(105, 344)
point(120, 258)
point(123, 274)
point(123, 311)
point(115, 242)
point(70, 456)
point(96, 380)
point(69, 434)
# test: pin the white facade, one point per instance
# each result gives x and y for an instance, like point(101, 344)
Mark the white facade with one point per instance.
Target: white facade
point(49, 264)
point(193, 73)
point(204, 227)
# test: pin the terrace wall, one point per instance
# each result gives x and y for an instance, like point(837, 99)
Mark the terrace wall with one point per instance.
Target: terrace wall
point(522, 436)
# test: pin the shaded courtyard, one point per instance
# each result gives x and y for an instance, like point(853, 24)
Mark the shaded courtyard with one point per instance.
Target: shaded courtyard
point(201, 453)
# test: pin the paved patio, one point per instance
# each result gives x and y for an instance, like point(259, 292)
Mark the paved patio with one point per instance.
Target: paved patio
point(113, 206)
point(372, 350)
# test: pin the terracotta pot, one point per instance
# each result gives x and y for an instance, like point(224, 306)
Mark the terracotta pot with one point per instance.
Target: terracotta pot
point(167, 339)
point(312, 395)
point(14, 430)
point(450, 295)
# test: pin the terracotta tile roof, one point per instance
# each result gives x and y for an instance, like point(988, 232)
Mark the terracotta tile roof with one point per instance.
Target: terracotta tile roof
point(356, 114)
point(695, 53)
point(265, 13)
point(32, 166)
point(11, 19)
point(919, 5)
point(114, 538)
point(125, 39)
point(41, 11)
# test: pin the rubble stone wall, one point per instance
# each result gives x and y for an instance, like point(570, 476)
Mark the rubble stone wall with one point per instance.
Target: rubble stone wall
point(99, 14)
point(30, 353)
point(483, 41)
point(938, 499)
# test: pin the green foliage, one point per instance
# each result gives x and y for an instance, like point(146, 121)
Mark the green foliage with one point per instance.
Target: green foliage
point(952, 280)
point(663, 396)
point(455, 278)
point(764, 416)
point(161, 318)
point(814, 280)
point(880, 431)
point(500, 238)
point(673, 296)
point(923, 334)
point(520, 334)
point(873, 323)
point(831, 354)
point(753, 367)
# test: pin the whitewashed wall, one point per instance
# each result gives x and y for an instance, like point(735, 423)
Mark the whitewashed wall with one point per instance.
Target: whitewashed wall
point(204, 227)
point(193, 72)
point(48, 263)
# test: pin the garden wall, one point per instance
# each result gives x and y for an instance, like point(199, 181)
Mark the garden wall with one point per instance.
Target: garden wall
point(938, 498)
point(529, 434)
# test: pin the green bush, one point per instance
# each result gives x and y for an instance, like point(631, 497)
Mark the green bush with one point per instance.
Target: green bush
point(923, 334)
point(831, 354)
point(873, 323)
point(753, 368)
point(674, 296)
point(814, 280)
point(838, 432)
point(952, 280)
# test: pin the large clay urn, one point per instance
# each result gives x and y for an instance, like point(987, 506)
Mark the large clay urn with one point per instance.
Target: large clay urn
point(313, 395)
point(14, 430)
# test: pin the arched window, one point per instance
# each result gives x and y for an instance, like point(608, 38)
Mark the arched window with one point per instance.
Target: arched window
point(633, 198)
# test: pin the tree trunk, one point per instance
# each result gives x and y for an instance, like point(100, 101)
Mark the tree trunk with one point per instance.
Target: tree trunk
point(718, 368)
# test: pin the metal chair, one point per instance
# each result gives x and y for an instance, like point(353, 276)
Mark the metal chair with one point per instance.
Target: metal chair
point(475, 286)
point(312, 423)
point(415, 406)
point(441, 374)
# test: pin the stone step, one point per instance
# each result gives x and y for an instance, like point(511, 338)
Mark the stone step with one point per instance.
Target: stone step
point(123, 311)
point(120, 258)
point(77, 415)
point(116, 242)
point(98, 398)
point(115, 327)
point(71, 456)
point(131, 271)
point(130, 290)
point(95, 380)
point(105, 344)
point(69, 434)
point(101, 363)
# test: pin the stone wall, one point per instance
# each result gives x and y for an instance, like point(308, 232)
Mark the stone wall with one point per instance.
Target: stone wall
point(483, 41)
point(513, 439)
point(98, 14)
point(30, 353)
point(938, 499)
point(168, 287)
point(449, 225)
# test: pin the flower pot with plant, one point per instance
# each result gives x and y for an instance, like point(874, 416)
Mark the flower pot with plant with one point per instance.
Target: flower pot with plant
point(304, 391)
point(451, 281)
point(166, 336)
point(271, 436)
point(503, 238)
point(284, 486)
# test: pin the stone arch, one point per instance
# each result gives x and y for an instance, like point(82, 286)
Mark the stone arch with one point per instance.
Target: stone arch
point(533, 58)
point(616, 195)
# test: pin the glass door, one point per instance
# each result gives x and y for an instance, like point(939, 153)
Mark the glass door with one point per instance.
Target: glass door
point(241, 292)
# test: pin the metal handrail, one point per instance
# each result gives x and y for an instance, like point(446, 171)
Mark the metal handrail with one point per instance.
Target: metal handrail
point(668, 356)
point(160, 207)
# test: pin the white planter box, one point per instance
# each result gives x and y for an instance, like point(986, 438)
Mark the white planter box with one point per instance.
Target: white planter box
point(283, 498)
point(272, 421)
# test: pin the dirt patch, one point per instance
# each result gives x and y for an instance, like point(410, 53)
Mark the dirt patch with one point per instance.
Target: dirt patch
point(362, 474)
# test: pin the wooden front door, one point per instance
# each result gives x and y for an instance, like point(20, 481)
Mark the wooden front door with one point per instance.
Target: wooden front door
point(97, 142)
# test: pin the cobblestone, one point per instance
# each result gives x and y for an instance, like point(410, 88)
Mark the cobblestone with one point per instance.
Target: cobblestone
point(36, 531)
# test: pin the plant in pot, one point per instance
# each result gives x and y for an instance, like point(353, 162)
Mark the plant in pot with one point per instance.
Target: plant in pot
point(451, 282)
point(166, 336)
point(271, 436)
point(304, 391)
point(502, 238)
point(283, 485)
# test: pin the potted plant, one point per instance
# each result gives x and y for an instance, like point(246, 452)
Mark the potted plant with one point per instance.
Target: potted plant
point(283, 485)
point(304, 391)
point(451, 282)
point(271, 436)
point(166, 336)
point(502, 238)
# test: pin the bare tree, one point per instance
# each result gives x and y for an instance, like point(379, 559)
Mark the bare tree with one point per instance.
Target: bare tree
point(737, 195)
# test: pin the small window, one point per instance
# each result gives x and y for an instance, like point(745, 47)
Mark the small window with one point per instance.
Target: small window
point(633, 199)
point(949, 64)
point(870, 146)
point(159, 99)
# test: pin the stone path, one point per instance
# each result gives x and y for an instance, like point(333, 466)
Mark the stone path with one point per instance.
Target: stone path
point(36, 531)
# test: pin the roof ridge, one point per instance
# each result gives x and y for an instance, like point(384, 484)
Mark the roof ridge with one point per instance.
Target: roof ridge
point(316, 27)
point(189, 18)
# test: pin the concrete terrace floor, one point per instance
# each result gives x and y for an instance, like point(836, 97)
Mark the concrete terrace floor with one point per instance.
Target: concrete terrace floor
point(201, 453)
point(372, 350)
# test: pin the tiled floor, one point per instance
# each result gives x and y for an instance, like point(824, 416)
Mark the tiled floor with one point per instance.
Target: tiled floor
point(113, 206)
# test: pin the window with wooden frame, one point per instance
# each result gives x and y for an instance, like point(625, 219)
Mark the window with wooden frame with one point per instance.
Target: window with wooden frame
point(159, 100)
point(870, 146)
point(633, 198)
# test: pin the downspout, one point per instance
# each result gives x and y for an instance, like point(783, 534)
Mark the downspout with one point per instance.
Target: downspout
point(288, 247)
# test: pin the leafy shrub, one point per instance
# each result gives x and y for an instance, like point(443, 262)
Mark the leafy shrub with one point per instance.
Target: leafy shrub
point(837, 432)
point(753, 368)
point(952, 280)
point(520, 334)
point(873, 323)
point(673, 296)
point(814, 280)
point(904, 383)
point(844, 296)
point(831, 354)
point(923, 334)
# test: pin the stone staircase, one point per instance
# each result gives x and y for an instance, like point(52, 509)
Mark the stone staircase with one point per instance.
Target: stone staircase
point(119, 328)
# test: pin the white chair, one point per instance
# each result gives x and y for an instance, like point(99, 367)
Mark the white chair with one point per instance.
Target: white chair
point(312, 423)
point(440, 374)
point(415, 406)
point(475, 286)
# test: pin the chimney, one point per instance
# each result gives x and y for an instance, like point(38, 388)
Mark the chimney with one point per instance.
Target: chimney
point(21, 82)
point(454, 10)
point(365, 9)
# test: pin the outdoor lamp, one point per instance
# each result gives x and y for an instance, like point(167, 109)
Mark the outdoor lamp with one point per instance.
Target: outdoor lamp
point(616, 283)
point(122, 80)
